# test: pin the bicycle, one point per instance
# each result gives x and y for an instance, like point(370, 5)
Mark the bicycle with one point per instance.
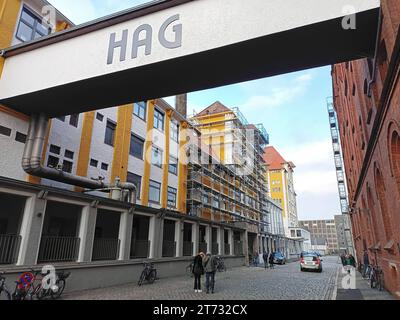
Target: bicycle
point(221, 264)
point(189, 270)
point(54, 293)
point(22, 287)
point(149, 273)
point(4, 288)
point(376, 278)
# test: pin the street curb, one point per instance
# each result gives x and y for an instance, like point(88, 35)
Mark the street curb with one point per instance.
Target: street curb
point(334, 293)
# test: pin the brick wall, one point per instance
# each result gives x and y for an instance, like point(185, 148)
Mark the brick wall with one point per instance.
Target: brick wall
point(370, 133)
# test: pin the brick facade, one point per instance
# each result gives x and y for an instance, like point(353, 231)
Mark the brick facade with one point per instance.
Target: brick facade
point(368, 107)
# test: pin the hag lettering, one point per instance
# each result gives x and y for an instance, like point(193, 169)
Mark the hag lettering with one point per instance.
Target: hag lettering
point(143, 36)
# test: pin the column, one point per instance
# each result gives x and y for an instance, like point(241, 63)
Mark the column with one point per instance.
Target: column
point(209, 238)
point(125, 235)
point(86, 233)
point(231, 242)
point(195, 238)
point(246, 247)
point(179, 225)
point(31, 231)
point(156, 237)
point(221, 241)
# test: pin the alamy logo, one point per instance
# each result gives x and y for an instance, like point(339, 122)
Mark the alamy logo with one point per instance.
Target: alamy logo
point(349, 280)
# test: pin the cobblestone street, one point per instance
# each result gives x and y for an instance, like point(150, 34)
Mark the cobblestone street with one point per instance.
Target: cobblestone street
point(282, 283)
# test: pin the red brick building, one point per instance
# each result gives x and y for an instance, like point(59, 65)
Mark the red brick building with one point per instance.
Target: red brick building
point(367, 101)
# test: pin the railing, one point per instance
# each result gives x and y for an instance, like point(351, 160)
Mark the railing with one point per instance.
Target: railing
point(187, 249)
point(203, 247)
point(214, 248)
point(9, 248)
point(140, 249)
point(227, 248)
point(105, 249)
point(238, 248)
point(169, 249)
point(58, 249)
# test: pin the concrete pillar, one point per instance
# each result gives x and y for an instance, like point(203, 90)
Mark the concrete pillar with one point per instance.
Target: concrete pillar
point(125, 235)
point(156, 237)
point(221, 241)
point(209, 238)
point(231, 243)
point(31, 231)
point(245, 241)
point(179, 225)
point(195, 238)
point(86, 233)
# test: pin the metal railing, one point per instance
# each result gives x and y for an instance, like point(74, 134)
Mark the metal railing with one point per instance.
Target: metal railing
point(105, 249)
point(58, 249)
point(214, 248)
point(9, 248)
point(140, 249)
point(238, 248)
point(203, 247)
point(187, 249)
point(169, 249)
point(227, 248)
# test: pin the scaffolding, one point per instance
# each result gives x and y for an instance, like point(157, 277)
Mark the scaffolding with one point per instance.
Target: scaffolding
point(340, 173)
point(221, 189)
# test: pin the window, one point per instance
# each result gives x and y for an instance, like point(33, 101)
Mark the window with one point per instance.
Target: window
point(174, 131)
point(67, 166)
point(74, 120)
point(173, 165)
point(172, 197)
point(5, 131)
point(298, 233)
point(55, 149)
point(156, 157)
point(94, 163)
point(139, 109)
point(110, 133)
point(215, 202)
point(136, 148)
point(30, 27)
point(104, 166)
point(158, 120)
point(61, 118)
point(52, 162)
point(99, 117)
point(69, 154)
point(20, 137)
point(137, 181)
point(154, 191)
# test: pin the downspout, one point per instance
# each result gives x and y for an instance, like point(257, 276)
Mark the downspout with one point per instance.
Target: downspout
point(378, 35)
point(32, 157)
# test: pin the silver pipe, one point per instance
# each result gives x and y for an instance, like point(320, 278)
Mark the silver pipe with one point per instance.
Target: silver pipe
point(373, 76)
point(31, 162)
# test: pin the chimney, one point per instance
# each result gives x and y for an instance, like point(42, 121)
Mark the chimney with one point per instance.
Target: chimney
point(181, 104)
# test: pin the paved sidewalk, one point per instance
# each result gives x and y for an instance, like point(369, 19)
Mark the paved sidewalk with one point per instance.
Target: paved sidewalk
point(363, 290)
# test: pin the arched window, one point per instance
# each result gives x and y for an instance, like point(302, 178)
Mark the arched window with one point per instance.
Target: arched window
point(394, 151)
point(381, 194)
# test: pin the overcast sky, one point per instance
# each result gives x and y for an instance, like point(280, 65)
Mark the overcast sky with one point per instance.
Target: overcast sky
point(292, 108)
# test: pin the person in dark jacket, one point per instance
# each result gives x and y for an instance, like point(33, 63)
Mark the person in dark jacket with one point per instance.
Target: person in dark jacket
point(265, 258)
point(366, 264)
point(271, 260)
point(210, 267)
point(198, 271)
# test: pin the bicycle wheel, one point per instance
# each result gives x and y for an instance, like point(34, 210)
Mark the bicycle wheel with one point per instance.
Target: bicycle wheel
point(142, 277)
point(152, 276)
point(381, 284)
point(61, 286)
point(373, 280)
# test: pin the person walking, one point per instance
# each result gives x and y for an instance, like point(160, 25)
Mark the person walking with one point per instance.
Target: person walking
point(271, 260)
point(210, 267)
point(366, 264)
point(265, 258)
point(198, 271)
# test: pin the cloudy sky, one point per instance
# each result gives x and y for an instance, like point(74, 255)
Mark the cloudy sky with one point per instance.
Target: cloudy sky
point(292, 108)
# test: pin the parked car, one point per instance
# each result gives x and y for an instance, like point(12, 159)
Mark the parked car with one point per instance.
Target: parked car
point(279, 258)
point(311, 261)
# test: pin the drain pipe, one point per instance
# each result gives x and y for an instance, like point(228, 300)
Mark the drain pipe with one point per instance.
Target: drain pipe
point(31, 162)
point(378, 35)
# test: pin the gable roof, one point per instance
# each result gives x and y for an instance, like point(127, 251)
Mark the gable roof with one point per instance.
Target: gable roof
point(274, 159)
point(216, 107)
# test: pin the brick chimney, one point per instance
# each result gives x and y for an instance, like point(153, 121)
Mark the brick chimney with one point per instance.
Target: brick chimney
point(181, 104)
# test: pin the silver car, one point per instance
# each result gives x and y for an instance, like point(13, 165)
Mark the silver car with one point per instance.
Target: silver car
point(311, 261)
